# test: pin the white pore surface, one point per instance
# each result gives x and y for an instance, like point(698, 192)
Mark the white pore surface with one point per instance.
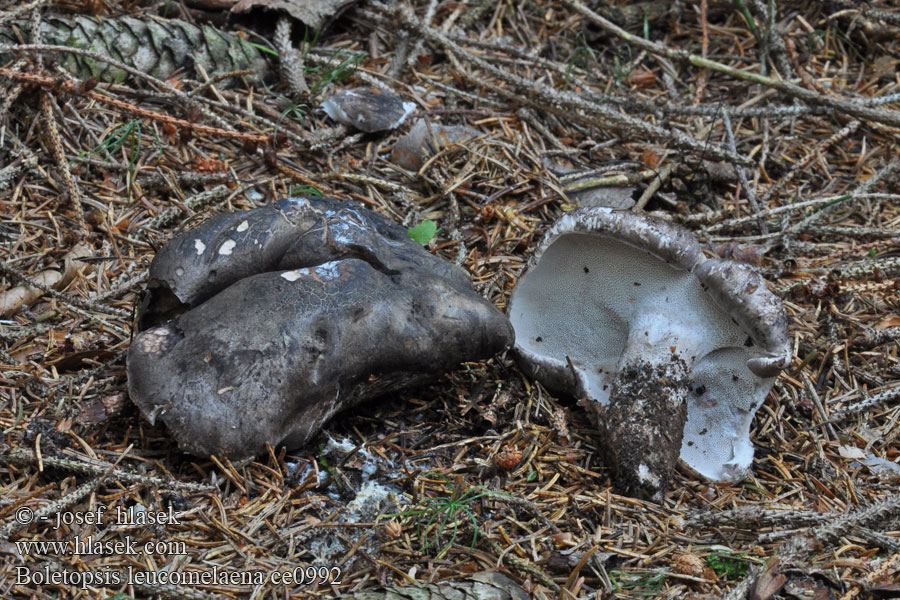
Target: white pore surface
point(408, 108)
point(334, 111)
point(602, 304)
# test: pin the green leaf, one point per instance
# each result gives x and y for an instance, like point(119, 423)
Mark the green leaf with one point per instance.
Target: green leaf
point(305, 190)
point(265, 49)
point(729, 565)
point(423, 232)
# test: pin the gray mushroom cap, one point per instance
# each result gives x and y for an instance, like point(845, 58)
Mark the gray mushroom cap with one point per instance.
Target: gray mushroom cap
point(315, 306)
point(368, 109)
point(674, 352)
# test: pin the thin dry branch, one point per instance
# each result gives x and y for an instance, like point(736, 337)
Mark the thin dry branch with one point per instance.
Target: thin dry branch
point(56, 145)
point(856, 109)
point(563, 103)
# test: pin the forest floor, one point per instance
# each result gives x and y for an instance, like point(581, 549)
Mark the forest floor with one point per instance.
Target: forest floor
point(773, 137)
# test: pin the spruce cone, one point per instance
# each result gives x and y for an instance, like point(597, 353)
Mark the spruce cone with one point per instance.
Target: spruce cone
point(155, 46)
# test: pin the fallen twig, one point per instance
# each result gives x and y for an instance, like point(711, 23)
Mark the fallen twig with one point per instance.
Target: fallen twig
point(864, 113)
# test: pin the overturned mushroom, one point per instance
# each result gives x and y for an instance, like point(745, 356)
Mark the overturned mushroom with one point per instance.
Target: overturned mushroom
point(259, 326)
point(672, 351)
point(368, 109)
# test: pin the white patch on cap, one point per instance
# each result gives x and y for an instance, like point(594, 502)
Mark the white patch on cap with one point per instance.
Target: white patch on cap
point(243, 226)
point(646, 476)
point(200, 246)
point(328, 270)
point(227, 247)
point(324, 272)
point(333, 110)
point(295, 275)
point(408, 108)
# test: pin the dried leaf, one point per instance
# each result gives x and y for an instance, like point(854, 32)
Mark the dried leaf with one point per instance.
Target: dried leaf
point(98, 410)
point(769, 582)
point(650, 158)
point(313, 13)
point(208, 165)
point(13, 299)
point(752, 254)
point(808, 588)
point(888, 322)
point(424, 139)
point(642, 78)
point(851, 452)
point(605, 196)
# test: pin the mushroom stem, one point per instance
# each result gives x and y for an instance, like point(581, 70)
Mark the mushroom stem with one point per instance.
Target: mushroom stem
point(644, 419)
point(667, 349)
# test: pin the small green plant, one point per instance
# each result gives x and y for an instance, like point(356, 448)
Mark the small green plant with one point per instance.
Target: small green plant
point(621, 69)
point(641, 584)
point(728, 564)
point(264, 49)
point(127, 133)
point(296, 111)
point(852, 47)
point(435, 516)
point(423, 232)
point(828, 204)
point(323, 462)
point(305, 190)
point(581, 58)
point(815, 39)
point(748, 18)
point(339, 67)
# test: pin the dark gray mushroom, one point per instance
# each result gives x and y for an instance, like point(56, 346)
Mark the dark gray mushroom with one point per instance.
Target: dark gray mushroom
point(261, 325)
point(672, 351)
point(368, 109)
